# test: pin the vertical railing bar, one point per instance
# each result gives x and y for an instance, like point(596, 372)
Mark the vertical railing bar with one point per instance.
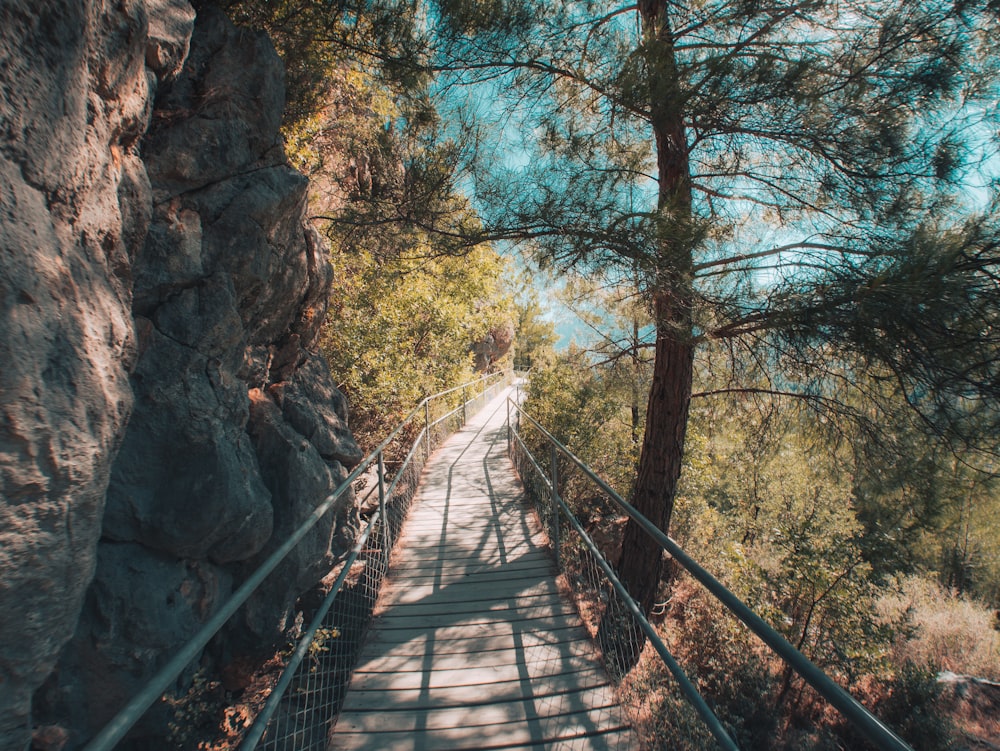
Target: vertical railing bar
point(554, 470)
point(507, 404)
point(386, 532)
point(427, 429)
point(390, 491)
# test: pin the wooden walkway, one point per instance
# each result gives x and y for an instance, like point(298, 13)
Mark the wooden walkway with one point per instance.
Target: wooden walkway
point(473, 647)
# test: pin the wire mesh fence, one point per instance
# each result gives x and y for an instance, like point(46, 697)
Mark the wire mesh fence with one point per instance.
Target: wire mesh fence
point(602, 608)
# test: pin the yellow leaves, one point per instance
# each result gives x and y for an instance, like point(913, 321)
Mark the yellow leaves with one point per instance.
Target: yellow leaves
point(363, 87)
point(401, 328)
point(300, 143)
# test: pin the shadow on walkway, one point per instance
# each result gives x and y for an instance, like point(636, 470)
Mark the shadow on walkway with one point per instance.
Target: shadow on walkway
point(472, 646)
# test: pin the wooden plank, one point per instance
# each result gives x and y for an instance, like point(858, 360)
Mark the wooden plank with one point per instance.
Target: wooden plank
point(559, 695)
point(427, 560)
point(404, 568)
point(487, 561)
point(612, 740)
point(473, 503)
point(579, 672)
point(475, 718)
point(451, 601)
point(537, 617)
point(473, 539)
point(473, 592)
point(469, 644)
point(565, 652)
point(404, 630)
point(570, 730)
point(459, 569)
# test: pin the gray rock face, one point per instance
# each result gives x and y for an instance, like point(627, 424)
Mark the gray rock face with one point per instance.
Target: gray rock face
point(159, 387)
point(73, 208)
point(138, 611)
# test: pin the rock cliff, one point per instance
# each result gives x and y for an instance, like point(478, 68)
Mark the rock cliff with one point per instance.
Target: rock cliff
point(165, 421)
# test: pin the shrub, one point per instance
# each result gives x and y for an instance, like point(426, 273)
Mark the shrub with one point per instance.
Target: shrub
point(718, 655)
point(947, 632)
point(909, 703)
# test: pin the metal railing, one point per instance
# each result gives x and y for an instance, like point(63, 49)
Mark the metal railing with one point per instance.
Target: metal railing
point(318, 668)
point(596, 584)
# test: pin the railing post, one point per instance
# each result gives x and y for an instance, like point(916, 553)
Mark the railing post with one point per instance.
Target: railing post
point(386, 532)
point(427, 430)
point(465, 401)
point(555, 505)
point(508, 427)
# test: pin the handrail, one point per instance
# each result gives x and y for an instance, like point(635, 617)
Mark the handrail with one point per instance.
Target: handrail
point(259, 726)
point(131, 713)
point(869, 725)
point(688, 688)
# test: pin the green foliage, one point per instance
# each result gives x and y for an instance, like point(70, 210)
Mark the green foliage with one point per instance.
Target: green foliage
point(582, 406)
point(768, 504)
point(317, 39)
point(405, 308)
point(729, 671)
point(723, 661)
point(927, 509)
point(401, 329)
point(789, 175)
point(786, 534)
point(536, 335)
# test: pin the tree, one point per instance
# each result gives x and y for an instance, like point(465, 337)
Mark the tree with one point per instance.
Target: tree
point(535, 337)
point(784, 175)
point(621, 329)
point(401, 329)
point(583, 405)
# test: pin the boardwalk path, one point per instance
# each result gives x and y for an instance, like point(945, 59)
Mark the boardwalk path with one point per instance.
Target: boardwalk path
point(472, 646)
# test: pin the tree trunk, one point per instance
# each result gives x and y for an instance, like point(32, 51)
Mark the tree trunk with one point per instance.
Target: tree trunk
point(661, 456)
point(670, 394)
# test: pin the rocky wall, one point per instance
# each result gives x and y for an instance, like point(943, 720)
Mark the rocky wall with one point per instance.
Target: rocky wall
point(165, 421)
point(74, 103)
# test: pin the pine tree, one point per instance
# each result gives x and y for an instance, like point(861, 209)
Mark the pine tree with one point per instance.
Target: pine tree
point(784, 174)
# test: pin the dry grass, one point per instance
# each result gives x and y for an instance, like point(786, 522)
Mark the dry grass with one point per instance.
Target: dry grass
point(949, 632)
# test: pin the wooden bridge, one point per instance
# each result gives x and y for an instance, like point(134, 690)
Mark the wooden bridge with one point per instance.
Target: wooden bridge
point(473, 645)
